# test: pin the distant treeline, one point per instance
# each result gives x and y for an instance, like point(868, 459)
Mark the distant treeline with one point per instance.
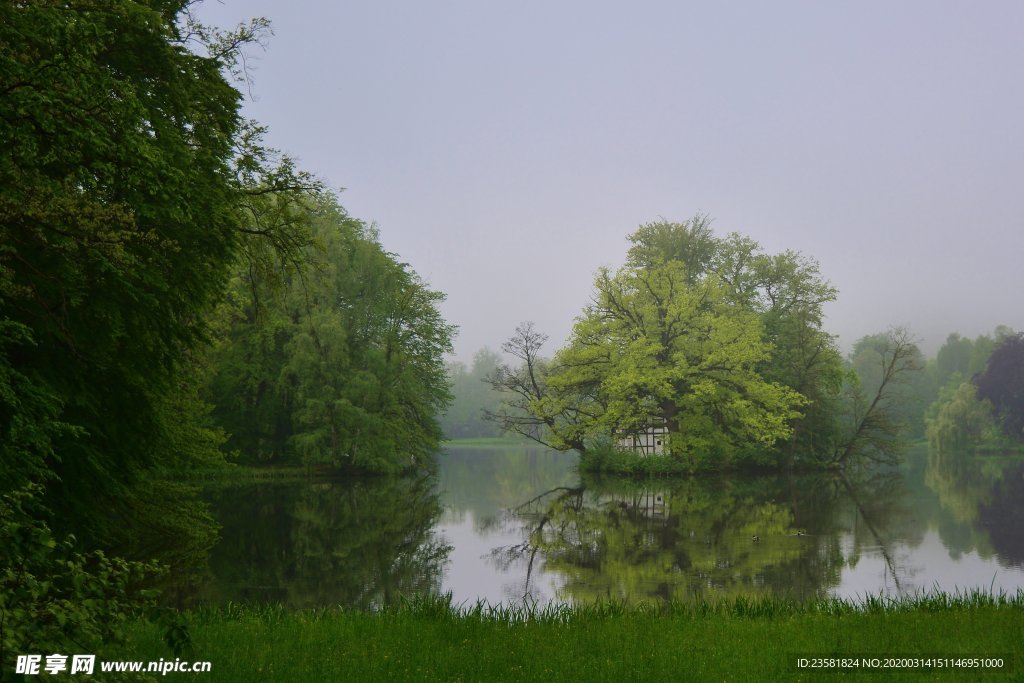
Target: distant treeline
point(473, 397)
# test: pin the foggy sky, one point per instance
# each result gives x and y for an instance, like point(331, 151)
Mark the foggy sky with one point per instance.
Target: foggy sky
point(506, 150)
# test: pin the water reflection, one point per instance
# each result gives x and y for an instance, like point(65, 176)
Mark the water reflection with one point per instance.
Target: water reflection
point(360, 543)
point(478, 487)
point(984, 496)
point(678, 539)
point(797, 536)
point(520, 523)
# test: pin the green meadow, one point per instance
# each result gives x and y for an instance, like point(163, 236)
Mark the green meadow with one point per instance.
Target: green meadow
point(431, 639)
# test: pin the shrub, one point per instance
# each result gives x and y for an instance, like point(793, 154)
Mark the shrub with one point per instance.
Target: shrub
point(53, 598)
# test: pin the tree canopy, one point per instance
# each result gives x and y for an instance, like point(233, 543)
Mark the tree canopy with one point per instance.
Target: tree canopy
point(711, 337)
point(119, 207)
point(977, 401)
point(654, 348)
point(119, 221)
point(138, 210)
point(1002, 383)
point(339, 362)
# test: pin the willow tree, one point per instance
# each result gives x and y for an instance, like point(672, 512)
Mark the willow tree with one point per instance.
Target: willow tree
point(338, 363)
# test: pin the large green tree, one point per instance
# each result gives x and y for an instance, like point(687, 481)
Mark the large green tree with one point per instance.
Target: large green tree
point(119, 214)
point(123, 167)
point(1002, 383)
point(339, 362)
point(718, 340)
point(787, 293)
point(653, 348)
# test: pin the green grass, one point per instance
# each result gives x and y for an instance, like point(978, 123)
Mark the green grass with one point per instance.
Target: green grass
point(737, 640)
point(615, 462)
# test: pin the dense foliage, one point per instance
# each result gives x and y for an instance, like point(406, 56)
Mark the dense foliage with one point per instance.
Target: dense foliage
point(337, 363)
point(653, 348)
point(51, 594)
point(132, 196)
point(982, 409)
point(119, 218)
point(711, 337)
point(118, 204)
point(1002, 383)
point(137, 213)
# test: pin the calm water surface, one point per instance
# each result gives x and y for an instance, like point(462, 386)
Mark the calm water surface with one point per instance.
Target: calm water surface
point(503, 525)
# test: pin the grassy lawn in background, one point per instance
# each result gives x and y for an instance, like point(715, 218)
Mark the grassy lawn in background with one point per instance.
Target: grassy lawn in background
point(738, 640)
point(491, 442)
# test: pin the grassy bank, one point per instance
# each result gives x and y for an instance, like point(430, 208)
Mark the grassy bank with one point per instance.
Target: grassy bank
point(611, 461)
point(742, 639)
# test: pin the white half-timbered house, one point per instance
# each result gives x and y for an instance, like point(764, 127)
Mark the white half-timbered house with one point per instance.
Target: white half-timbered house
point(651, 441)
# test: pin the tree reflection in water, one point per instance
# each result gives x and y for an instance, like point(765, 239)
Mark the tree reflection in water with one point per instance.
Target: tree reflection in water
point(361, 544)
point(984, 495)
point(711, 538)
point(364, 543)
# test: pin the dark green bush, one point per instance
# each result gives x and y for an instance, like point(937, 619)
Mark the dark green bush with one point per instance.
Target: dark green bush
point(54, 598)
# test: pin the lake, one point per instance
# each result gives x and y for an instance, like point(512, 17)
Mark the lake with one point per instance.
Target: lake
point(521, 523)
